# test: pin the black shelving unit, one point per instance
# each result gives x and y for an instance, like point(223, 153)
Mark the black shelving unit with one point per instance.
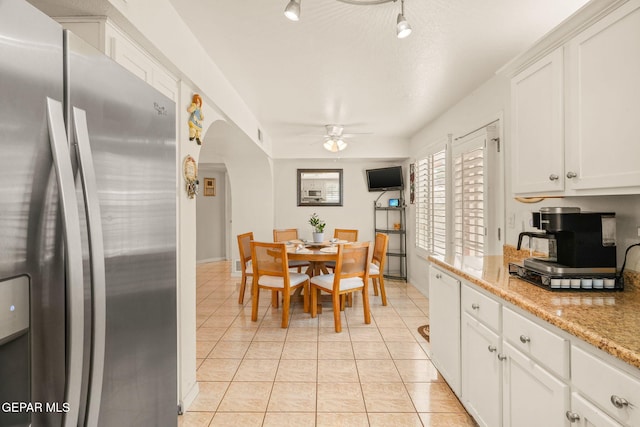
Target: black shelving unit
point(384, 219)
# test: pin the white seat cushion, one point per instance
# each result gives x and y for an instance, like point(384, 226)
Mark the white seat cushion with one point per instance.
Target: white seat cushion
point(374, 270)
point(325, 281)
point(296, 263)
point(278, 282)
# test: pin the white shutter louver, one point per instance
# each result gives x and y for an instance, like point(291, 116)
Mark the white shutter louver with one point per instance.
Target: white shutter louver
point(431, 203)
point(469, 208)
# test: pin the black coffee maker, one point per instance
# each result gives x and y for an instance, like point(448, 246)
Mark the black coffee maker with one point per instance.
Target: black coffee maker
point(579, 242)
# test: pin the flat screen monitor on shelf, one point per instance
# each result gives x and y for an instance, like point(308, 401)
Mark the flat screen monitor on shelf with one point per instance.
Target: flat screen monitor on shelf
point(385, 179)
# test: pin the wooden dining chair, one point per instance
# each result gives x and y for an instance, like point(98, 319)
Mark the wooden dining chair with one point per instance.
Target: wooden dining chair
point(342, 234)
point(376, 267)
point(244, 249)
point(287, 235)
point(271, 271)
point(351, 275)
point(345, 234)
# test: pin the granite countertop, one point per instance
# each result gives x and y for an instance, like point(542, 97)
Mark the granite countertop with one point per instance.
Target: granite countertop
point(609, 320)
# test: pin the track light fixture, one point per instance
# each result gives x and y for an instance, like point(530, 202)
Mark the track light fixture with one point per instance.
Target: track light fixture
point(292, 11)
point(403, 29)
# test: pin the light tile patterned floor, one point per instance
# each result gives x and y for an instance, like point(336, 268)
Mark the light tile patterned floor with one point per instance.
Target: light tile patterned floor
point(258, 374)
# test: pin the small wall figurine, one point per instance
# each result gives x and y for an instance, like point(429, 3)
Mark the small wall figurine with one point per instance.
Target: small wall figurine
point(195, 119)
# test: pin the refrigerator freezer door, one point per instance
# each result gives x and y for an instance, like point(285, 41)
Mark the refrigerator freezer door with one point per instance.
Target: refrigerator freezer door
point(131, 130)
point(30, 225)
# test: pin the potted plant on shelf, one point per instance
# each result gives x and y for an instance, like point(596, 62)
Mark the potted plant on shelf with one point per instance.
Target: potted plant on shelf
point(318, 228)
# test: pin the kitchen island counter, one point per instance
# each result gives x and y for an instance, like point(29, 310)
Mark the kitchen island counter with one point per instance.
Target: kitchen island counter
point(608, 320)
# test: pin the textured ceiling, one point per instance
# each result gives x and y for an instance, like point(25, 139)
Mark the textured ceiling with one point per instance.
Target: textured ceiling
point(342, 63)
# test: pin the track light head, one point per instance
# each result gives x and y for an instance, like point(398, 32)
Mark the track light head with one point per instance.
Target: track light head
point(292, 11)
point(403, 29)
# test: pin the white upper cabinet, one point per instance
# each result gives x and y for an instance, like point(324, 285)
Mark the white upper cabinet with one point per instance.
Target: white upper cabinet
point(538, 126)
point(603, 103)
point(575, 111)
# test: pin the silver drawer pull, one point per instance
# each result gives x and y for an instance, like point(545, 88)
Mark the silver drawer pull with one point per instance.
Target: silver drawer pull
point(492, 348)
point(571, 174)
point(553, 177)
point(502, 356)
point(438, 276)
point(475, 306)
point(524, 339)
point(572, 417)
point(619, 402)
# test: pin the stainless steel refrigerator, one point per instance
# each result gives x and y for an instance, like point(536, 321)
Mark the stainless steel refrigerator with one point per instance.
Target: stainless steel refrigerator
point(87, 234)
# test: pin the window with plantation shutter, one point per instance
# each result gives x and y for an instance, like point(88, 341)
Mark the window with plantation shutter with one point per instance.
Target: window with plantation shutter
point(431, 203)
point(469, 209)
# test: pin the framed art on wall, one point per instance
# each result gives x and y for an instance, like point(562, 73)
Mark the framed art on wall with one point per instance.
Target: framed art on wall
point(209, 187)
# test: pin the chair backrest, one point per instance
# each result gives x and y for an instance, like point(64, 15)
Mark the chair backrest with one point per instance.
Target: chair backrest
point(380, 250)
point(346, 234)
point(269, 259)
point(244, 247)
point(352, 261)
point(285, 235)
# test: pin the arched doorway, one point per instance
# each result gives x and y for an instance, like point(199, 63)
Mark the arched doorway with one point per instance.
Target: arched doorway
point(248, 185)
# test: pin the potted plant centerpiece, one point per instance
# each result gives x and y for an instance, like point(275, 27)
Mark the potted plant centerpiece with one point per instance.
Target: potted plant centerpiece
point(318, 228)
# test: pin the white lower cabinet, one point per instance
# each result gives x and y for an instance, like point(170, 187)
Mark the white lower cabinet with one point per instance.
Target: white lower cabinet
point(444, 321)
point(512, 369)
point(533, 397)
point(584, 414)
point(481, 372)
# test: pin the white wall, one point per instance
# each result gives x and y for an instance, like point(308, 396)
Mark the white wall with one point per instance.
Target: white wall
point(211, 216)
point(476, 109)
point(357, 209)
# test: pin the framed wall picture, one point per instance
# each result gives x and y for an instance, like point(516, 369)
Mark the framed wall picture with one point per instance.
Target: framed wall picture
point(209, 187)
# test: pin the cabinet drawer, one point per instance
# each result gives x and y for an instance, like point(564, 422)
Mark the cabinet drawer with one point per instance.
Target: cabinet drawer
point(481, 307)
point(606, 386)
point(534, 340)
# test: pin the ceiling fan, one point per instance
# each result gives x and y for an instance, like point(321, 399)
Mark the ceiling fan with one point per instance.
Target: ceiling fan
point(334, 138)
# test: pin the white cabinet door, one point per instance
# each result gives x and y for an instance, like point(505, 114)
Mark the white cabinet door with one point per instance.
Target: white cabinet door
point(481, 372)
point(538, 126)
point(444, 321)
point(603, 145)
point(532, 396)
point(584, 414)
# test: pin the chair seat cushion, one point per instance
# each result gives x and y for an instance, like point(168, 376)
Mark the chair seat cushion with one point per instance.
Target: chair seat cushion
point(278, 282)
point(325, 281)
point(296, 263)
point(249, 268)
point(374, 269)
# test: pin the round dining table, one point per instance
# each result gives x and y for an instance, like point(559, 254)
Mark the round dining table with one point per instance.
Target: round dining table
point(315, 253)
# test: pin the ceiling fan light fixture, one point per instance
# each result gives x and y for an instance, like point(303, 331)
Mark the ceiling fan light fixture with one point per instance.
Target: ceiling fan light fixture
point(334, 145)
point(292, 11)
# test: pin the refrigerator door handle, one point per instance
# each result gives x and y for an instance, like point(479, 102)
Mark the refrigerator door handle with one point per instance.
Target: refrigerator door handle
point(73, 259)
point(96, 255)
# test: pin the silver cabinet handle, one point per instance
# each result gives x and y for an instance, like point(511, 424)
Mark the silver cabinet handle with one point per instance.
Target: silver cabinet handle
point(619, 402)
point(492, 348)
point(572, 417)
point(96, 255)
point(475, 306)
point(438, 276)
point(571, 174)
point(553, 177)
point(502, 356)
point(73, 258)
point(524, 339)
